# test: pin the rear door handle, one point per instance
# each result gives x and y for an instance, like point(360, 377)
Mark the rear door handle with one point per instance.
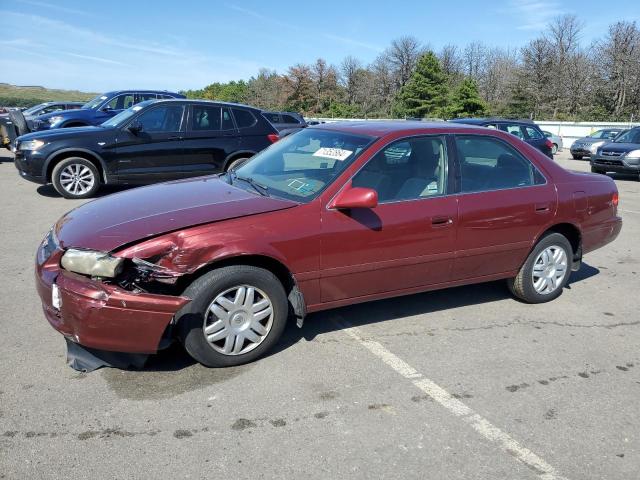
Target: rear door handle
point(175, 137)
point(542, 207)
point(441, 221)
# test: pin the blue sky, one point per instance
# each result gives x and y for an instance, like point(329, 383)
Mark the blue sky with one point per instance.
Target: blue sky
point(98, 46)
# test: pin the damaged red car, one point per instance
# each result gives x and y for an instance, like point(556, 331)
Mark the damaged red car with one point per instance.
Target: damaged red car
point(330, 216)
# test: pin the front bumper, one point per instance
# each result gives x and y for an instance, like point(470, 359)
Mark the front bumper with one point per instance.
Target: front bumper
point(614, 164)
point(580, 151)
point(30, 165)
point(100, 315)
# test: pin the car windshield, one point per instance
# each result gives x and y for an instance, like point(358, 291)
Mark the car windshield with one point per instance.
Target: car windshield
point(34, 109)
point(603, 134)
point(94, 102)
point(125, 115)
point(630, 136)
point(300, 166)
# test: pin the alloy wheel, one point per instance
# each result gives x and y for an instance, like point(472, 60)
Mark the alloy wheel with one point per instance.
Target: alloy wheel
point(77, 179)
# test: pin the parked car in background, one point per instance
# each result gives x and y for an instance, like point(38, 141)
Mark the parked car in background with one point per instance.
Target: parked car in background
point(620, 156)
point(555, 139)
point(153, 141)
point(330, 216)
point(48, 107)
point(525, 130)
point(285, 120)
point(99, 109)
point(586, 146)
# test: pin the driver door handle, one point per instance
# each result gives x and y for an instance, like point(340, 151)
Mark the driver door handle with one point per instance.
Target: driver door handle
point(441, 221)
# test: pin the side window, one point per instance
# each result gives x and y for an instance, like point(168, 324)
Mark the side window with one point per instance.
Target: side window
point(487, 163)
point(533, 133)
point(205, 118)
point(121, 102)
point(273, 117)
point(406, 170)
point(227, 122)
point(51, 109)
point(244, 118)
point(166, 97)
point(167, 118)
point(289, 119)
point(141, 97)
point(513, 130)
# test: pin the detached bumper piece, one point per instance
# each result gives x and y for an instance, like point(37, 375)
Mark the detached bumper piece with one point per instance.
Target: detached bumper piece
point(85, 359)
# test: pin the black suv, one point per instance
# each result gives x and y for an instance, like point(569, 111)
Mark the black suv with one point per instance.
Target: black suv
point(285, 120)
point(153, 141)
point(525, 130)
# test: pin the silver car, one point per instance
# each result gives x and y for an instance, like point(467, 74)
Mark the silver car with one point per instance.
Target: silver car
point(587, 146)
point(555, 139)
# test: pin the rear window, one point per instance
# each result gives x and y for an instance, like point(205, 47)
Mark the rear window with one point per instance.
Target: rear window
point(205, 118)
point(533, 133)
point(289, 119)
point(272, 117)
point(244, 118)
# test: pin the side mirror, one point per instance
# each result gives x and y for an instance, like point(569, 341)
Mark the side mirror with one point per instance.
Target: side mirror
point(135, 127)
point(355, 197)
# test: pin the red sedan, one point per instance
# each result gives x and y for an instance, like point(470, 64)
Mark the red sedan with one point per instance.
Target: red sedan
point(330, 216)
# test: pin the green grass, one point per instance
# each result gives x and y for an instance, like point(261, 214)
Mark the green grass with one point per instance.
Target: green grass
point(14, 96)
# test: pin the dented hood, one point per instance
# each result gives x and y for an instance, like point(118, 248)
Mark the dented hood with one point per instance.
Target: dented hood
point(116, 220)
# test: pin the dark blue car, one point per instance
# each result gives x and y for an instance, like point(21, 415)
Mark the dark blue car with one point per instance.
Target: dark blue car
point(99, 109)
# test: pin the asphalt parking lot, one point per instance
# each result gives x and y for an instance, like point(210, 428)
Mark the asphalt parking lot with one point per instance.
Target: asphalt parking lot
point(462, 383)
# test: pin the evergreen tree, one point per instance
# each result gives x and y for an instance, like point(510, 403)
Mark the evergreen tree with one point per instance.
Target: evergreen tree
point(466, 101)
point(425, 94)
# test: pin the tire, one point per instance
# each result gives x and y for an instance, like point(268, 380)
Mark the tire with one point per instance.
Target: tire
point(576, 157)
point(86, 173)
point(554, 149)
point(235, 163)
point(597, 170)
point(523, 287)
point(206, 310)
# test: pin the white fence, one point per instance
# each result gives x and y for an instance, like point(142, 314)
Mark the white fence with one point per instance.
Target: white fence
point(569, 131)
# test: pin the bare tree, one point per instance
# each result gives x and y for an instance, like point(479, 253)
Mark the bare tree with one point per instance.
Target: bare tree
point(473, 59)
point(452, 63)
point(403, 55)
point(349, 73)
point(537, 62)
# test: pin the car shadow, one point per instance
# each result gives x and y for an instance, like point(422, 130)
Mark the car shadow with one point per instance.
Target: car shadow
point(50, 192)
point(406, 306)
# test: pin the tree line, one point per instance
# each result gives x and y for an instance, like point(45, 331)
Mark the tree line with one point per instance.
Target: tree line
point(554, 76)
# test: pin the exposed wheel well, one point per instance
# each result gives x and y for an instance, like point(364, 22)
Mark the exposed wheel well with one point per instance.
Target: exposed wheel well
point(61, 156)
point(75, 124)
point(572, 234)
point(274, 266)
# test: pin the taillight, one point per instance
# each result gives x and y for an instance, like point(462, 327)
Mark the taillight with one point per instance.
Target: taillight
point(614, 199)
point(273, 137)
point(549, 143)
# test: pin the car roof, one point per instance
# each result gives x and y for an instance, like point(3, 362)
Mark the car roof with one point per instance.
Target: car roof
point(480, 121)
point(137, 90)
point(381, 128)
point(202, 102)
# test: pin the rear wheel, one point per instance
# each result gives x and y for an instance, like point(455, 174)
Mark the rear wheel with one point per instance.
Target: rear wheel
point(236, 163)
point(576, 157)
point(545, 272)
point(76, 178)
point(237, 314)
point(554, 149)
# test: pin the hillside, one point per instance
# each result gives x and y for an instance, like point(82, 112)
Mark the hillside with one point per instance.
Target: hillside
point(16, 96)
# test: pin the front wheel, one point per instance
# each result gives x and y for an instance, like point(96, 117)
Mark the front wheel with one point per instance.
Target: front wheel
point(236, 315)
point(233, 164)
point(75, 178)
point(545, 272)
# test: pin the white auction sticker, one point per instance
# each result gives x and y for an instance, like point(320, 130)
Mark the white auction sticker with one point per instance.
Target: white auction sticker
point(333, 153)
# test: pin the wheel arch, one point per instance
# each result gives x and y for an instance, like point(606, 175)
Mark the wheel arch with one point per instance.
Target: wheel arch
point(237, 155)
point(60, 155)
point(572, 233)
point(273, 265)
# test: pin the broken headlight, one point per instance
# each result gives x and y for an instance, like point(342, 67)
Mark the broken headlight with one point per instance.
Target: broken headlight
point(91, 262)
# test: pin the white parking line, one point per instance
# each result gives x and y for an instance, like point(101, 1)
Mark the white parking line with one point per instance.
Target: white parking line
point(480, 424)
point(630, 211)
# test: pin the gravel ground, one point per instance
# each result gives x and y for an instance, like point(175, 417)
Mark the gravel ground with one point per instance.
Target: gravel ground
point(462, 383)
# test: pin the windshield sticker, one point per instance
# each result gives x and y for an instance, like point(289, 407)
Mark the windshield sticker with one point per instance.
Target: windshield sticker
point(300, 186)
point(333, 153)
